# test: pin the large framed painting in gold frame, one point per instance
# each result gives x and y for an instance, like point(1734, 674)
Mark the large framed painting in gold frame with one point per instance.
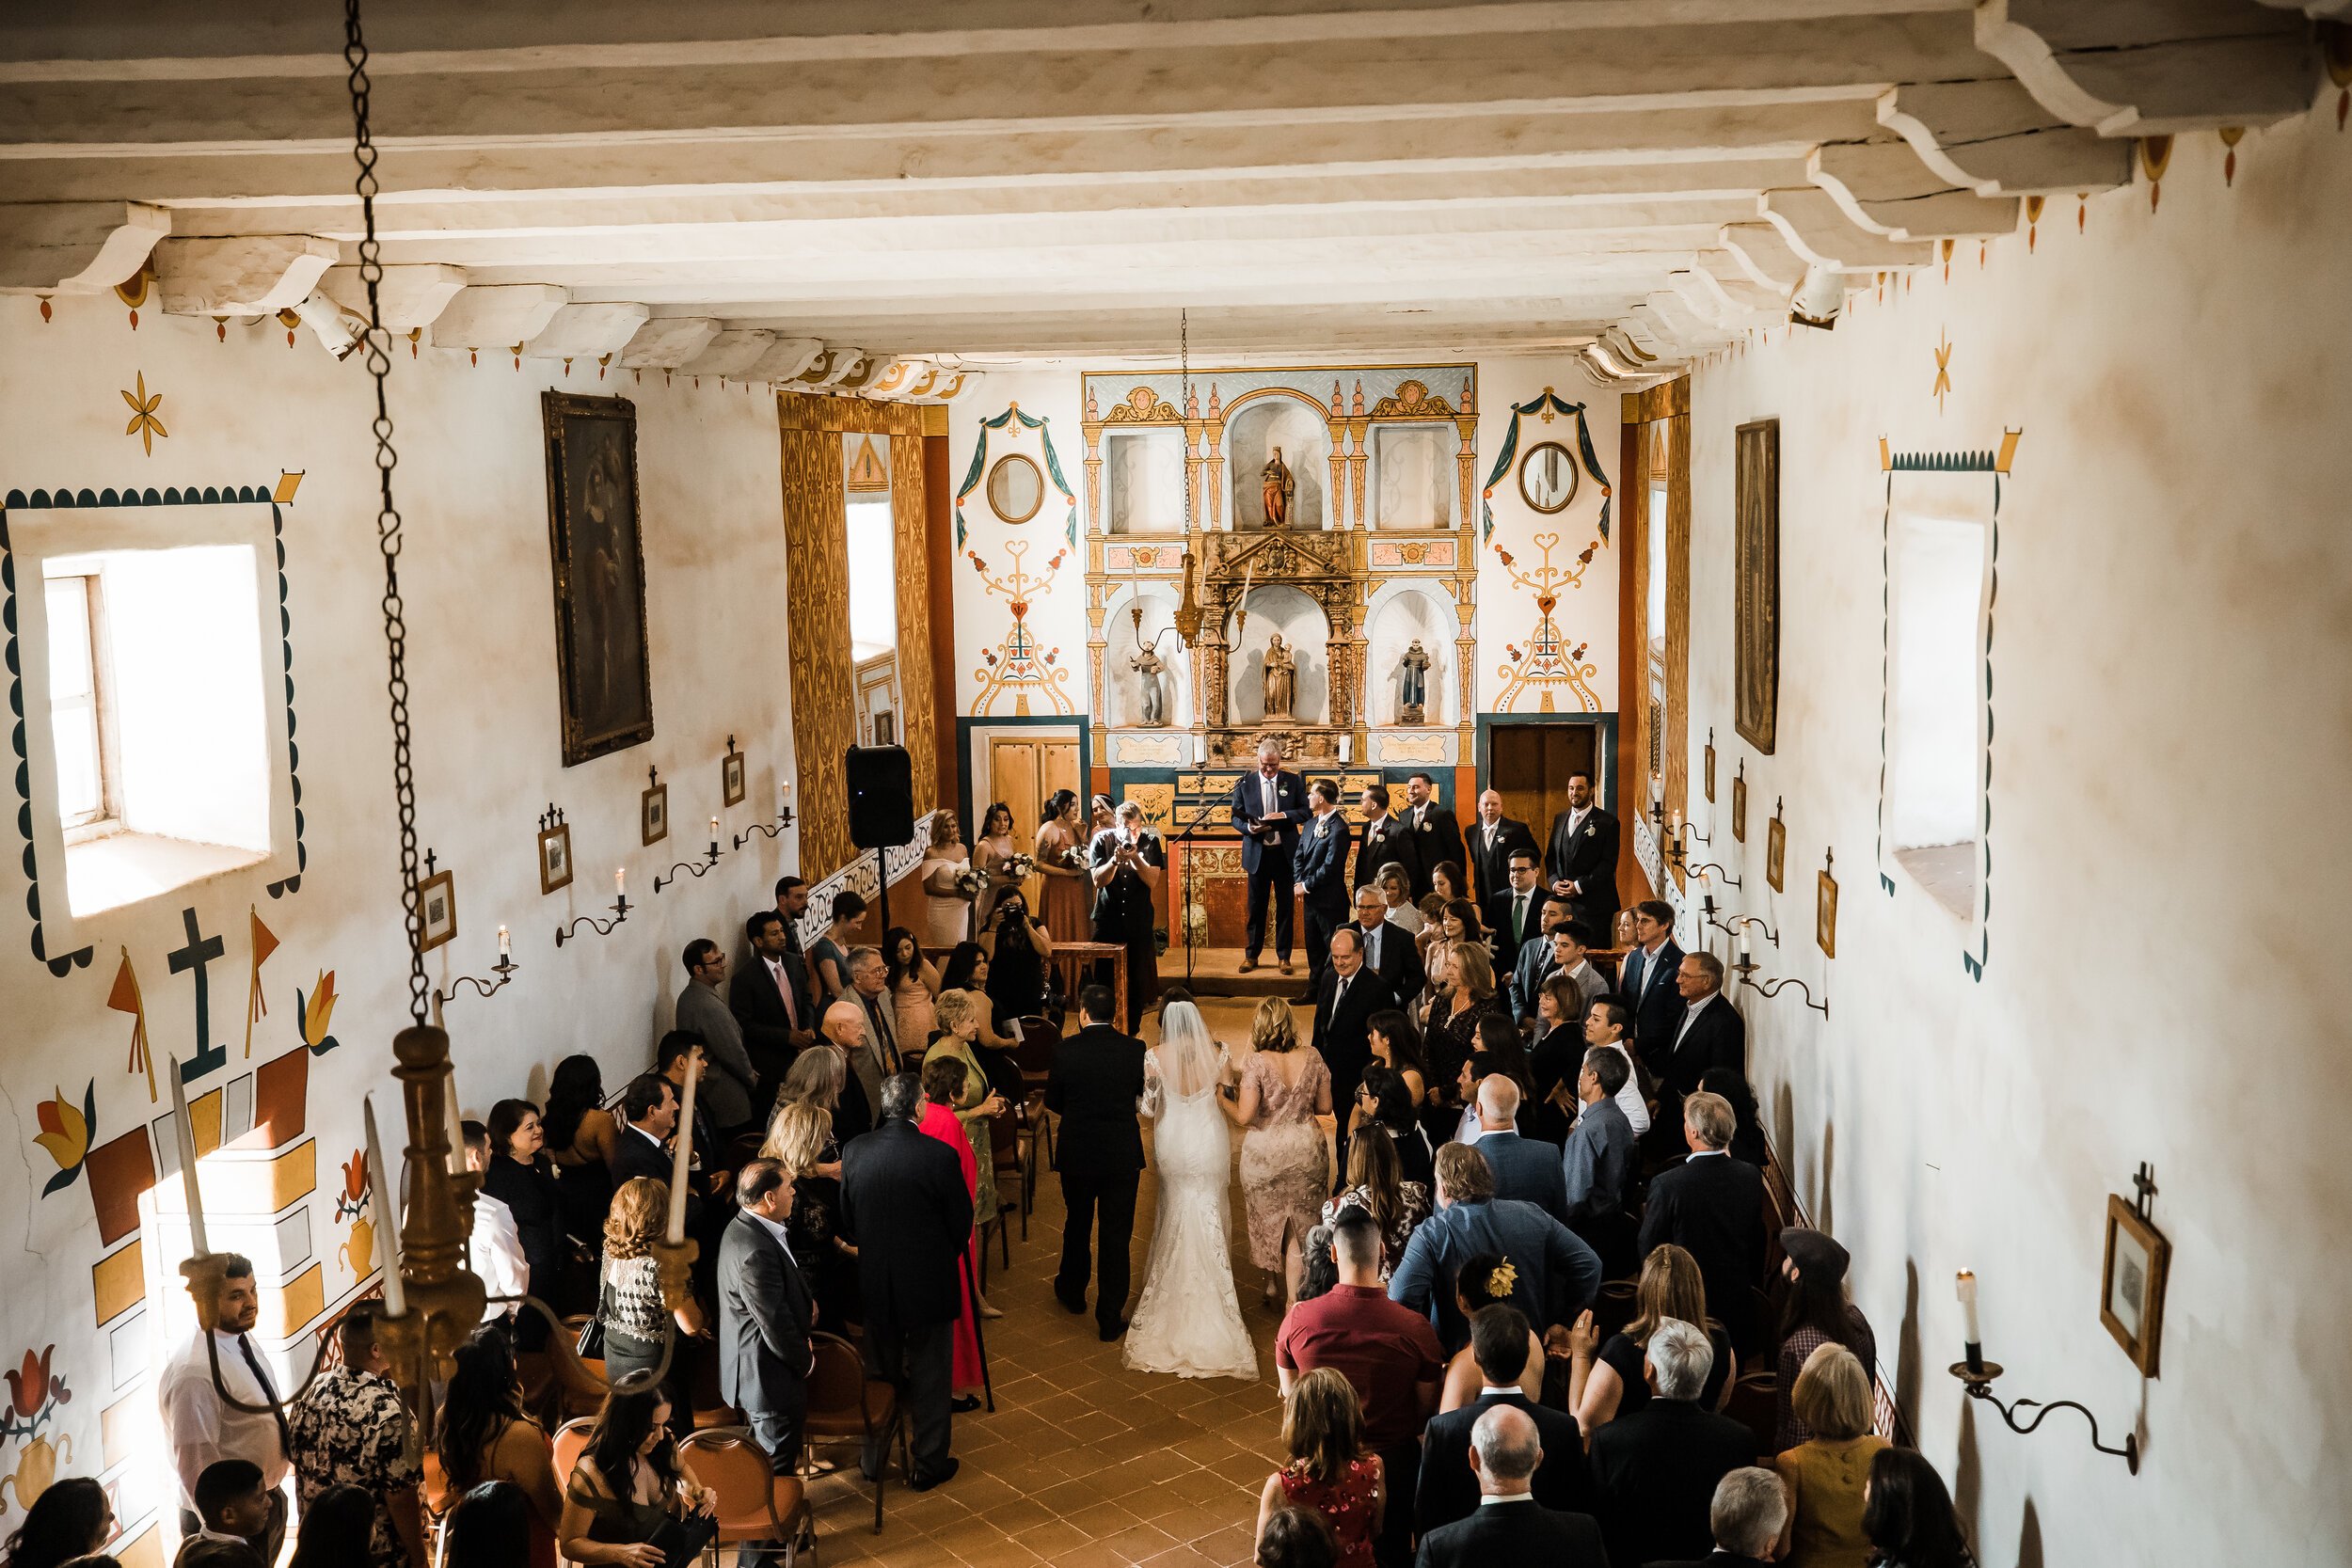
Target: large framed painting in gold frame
point(1756, 642)
point(603, 671)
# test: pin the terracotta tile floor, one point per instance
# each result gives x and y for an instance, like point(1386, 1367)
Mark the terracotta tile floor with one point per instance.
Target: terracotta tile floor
point(1084, 1463)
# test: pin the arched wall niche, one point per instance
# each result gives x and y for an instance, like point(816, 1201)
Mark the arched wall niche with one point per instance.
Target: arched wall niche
point(1399, 613)
point(1304, 629)
point(1255, 424)
point(1122, 685)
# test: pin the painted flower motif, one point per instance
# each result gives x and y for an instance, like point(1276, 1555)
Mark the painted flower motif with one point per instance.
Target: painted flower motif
point(31, 1388)
point(65, 1133)
point(354, 1193)
point(318, 1010)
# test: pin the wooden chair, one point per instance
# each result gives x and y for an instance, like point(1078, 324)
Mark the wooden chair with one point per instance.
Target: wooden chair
point(1012, 1177)
point(847, 1406)
point(754, 1503)
point(710, 1407)
point(1754, 1401)
point(1035, 1056)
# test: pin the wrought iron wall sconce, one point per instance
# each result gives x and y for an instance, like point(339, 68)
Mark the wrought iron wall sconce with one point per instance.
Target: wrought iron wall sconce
point(697, 868)
point(505, 969)
point(1707, 868)
point(1741, 922)
point(1976, 1374)
point(783, 821)
point(602, 927)
point(1746, 968)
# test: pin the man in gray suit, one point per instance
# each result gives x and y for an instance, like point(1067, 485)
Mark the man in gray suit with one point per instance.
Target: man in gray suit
point(726, 1088)
point(765, 1315)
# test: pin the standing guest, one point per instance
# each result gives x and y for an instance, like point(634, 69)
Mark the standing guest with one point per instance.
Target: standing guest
point(1909, 1515)
point(1467, 997)
point(1018, 946)
point(1583, 857)
point(1395, 1044)
point(628, 1487)
point(946, 907)
point(1449, 1489)
point(338, 1525)
point(1555, 1274)
point(1747, 1519)
point(494, 1250)
point(1537, 958)
point(977, 1105)
point(843, 1031)
point(1285, 1171)
point(1655, 1469)
point(1524, 1167)
point(1448, 883)
point(519, 1176)
point(1554, 1057)
point(1490, 843)
point(989, 852)
point(1295, 1538)
point(679, 1052)
point(1747, 1131)
point(1101, 817)
point(73, 1518)
point(801, 1140)
point(1395, 883)
point(636, 1322)
point(649, 1107)
point(1508, 1451)
point(829, 958)
point(1484, 1285)
point(904, 1205)
point(1320, 1268)
point(1346, 1000)
point(578, 1133)
point(1646, 979)
point(349, 1429)
point(1321, 866)
point(1708, 1035)
point(1457, 921)
point(792, 903)
point(483, 1436)
point(1818, 1312)
point(967, 969)
point(912, 982)
point(1827, 1473)
point(730, 1087)
point(1605, 1381)
point(1375, 1183)
point(207, 1552)
point(1713, 1207)
point(233, 1510)
point(1386, 840)
point(1515, 911)
point(1268, 807)
point(1388, 952)
point(1381, 1100)
point(1093, 1087)
point(491, 1526)
point(1329, 1466)
point(1128, 862)
point(1610, 1022)
point(883, 1054)
point(1061, 856)
point(1597, 1165)
point(762, 998)
point(1437, 836)
point(765, 1315)
point(1570, 945)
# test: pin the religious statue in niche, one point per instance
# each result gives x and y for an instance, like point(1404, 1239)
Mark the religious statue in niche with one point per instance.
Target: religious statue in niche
point(1148, 668)
point(1280, 487)
point(1413, 686)
point(1281, 679)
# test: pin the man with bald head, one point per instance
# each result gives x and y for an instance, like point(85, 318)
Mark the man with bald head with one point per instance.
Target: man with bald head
point(1525, 1168)
point(843, 1029)
point(1510, 1526)
point(1492, 840)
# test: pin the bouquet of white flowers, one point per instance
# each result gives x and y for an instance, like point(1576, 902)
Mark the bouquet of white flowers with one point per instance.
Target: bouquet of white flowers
point(1015, 866)
point(1075, 857)
point(971, 881)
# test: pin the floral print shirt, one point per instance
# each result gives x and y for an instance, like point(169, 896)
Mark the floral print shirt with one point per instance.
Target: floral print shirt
point(349, 1429)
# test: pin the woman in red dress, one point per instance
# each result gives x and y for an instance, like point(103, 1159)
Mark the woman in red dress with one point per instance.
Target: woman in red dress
point(1323, 1429)
point(943, 1081)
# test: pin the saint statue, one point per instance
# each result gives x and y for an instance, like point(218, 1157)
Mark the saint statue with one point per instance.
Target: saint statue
point(1413, 695)
point(1147, 667)
point(1279, 486)
point(1281, 679)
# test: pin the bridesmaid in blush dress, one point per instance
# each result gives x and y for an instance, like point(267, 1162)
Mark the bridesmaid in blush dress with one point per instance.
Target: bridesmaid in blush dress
point(913, 985)
point(1068, 891)
point(1285, 1164)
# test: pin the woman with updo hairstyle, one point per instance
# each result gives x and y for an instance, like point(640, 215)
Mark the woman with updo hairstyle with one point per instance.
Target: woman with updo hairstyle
point(801, 1139)
point(1285, 1169)
point(1486, 1280)
point(1295, 1538)
point(943, 1084)
point(1067, 895)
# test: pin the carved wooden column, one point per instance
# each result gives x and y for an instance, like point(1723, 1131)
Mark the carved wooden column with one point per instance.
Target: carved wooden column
point(1214, 431)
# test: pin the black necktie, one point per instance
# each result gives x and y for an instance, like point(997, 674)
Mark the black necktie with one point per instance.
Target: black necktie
point(269, 1393)
point(881, 1032)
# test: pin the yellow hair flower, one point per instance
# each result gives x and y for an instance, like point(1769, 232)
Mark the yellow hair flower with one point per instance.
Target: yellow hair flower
point(1503, 1280)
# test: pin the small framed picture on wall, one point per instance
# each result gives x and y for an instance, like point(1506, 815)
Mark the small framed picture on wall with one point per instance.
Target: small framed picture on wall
point(1825, 915)
point(731, 776)
point(2131, 1284)
point(653, 810)
point(555, 856)
point(1739, 804)
point(1775, 849)
point(1709, 769)
point(436, 908)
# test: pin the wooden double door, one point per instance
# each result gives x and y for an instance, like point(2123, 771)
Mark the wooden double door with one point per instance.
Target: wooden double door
point(1024, 770)
point(1529, 764)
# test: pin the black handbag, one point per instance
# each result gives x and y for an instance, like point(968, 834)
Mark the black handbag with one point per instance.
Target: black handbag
point(590, 1345)
point(682, 1541)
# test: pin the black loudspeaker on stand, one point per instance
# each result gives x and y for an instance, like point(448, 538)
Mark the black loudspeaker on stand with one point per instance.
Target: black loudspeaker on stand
point(880, 781)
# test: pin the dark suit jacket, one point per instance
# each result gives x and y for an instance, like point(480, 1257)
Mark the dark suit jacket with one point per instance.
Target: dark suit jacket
point(634, 1154)
point(1525, 1533)
point(1400, 961)
point(765, 1315)
point(1095, 1081)
point(1438, 838)
point(1588, 859)
point(1321, 864)
point(1382, 842)
point(1718, 1559)
point(1647, 986)
point(1527, 1169)
point(1713, 1207)
point(1654, 1475)
point(1449, 1488)
point(904, 1207)
point(1340, 1038)
point(1498, 917)
point(1717, 1037)
point(1490, 869)
point(759, 1007)
point(1249, 804)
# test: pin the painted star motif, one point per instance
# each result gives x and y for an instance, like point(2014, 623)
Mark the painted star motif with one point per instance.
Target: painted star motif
point(144, 425)
point(1942, 370)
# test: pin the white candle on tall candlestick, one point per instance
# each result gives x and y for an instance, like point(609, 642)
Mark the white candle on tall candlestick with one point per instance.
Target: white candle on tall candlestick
point(682, 1156)
point(386, 1217)
point(186, 1136)
point(1968, 1307)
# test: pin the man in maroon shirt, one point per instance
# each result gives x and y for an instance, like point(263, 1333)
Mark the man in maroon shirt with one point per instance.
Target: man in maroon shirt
point(1385, 1349)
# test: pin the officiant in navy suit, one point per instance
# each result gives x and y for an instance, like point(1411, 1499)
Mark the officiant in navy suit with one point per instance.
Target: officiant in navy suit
point(1269, 806)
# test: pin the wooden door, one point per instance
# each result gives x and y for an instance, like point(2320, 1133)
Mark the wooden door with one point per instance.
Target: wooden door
point(1530, 765)
point(1024, 770)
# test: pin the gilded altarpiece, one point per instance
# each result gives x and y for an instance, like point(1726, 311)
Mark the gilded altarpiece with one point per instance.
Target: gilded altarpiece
point(816, 608)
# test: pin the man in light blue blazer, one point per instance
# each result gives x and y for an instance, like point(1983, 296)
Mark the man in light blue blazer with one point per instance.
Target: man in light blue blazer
point(1558, 1276)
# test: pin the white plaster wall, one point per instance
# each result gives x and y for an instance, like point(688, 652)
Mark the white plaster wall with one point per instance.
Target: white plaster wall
point(2171, 675)
point(475, 573)
point(1056, 598)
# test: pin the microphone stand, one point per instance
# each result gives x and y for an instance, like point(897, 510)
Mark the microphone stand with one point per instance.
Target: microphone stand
point(1206, 815)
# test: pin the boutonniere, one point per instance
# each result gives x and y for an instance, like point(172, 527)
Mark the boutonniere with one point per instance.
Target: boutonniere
point(1424, 824)
point(1322, 827)
point(1590, 830)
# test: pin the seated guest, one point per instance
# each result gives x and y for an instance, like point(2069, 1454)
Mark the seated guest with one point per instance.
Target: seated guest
point(1555, 1274)
point(1605, 1381)
point(1655, 1469)
point(483, 1436)
point(73, 1518)
point(628, 1488)
point(336, 1522)
point(1384, 1350)
point(1499, 1340)
point(1327, 1465)
point(1746, 1518)
point(1396, 1046)
point(1596, 1166)
point(1484, 1284)
point(1509, 1524)
point(1818, 1311)
point(1909, 1515)
point(1826, 1473)
point(730, 1084)
point(1295, 1538)
point(1375, 1184)
point(519, 1176)
point(350, 1429)
point(494, 1250)
point(1381, 1097)
point(629, 1298)
point(1713, 1207)
point(765, 1315)
point(232, 1503)
point(490, 1528)
point(1524, 1168)
point(800, 1141)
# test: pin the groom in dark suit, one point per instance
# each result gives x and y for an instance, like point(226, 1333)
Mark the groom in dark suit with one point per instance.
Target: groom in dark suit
point(1581, 858)
point(1268, 807)
point(1096, 1079)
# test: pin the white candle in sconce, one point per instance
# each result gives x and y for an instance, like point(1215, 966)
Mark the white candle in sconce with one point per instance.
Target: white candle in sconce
point(620, 881)
point(1743, 948)
point(184, 1138)
point(506, 946)
point(1968, 1285)
point(386, 1217)
point(714, 835)
point(681, 1157)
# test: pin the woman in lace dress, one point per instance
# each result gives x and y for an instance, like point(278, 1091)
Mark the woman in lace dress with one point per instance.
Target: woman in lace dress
point(1189, 1320)
point(946, 910)
point(1285, 1164)
point(1067, 895)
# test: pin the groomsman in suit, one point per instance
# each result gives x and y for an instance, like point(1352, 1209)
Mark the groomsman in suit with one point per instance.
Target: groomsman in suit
point(765, 1314)
point(767, 1000)
point(1093, 1085)
point(1709, 1034)
point(1516, 913)
point(1268, 807)
point(1646, 982)
point(1321, 866)
point(1434, 830)
point(1389, 949)
point(1491, 842)
point(1385, 838)
point(1582, 859)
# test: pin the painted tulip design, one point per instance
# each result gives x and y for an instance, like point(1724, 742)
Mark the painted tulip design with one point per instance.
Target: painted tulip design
point(355, 1194)
point(317, 1010)
point(66, 1133)
point(33, 1394)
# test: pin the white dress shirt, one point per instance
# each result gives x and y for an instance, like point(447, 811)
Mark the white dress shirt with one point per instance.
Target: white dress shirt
point(201, 1428)
point(1269, 795)
point(1689, 1015)
point(496, 1252)
point(1628, 1099)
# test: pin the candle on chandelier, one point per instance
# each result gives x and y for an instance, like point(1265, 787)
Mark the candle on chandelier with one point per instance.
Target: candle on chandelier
point(1972, 1340)
point(454, 1122)
point(682, 1155)
point(386, 1217)
point(184, 1136)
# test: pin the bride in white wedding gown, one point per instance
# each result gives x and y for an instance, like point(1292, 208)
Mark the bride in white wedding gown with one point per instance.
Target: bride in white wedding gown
point(1189, 1321)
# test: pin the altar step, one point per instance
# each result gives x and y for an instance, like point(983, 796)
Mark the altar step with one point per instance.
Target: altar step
point(1216, 972)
